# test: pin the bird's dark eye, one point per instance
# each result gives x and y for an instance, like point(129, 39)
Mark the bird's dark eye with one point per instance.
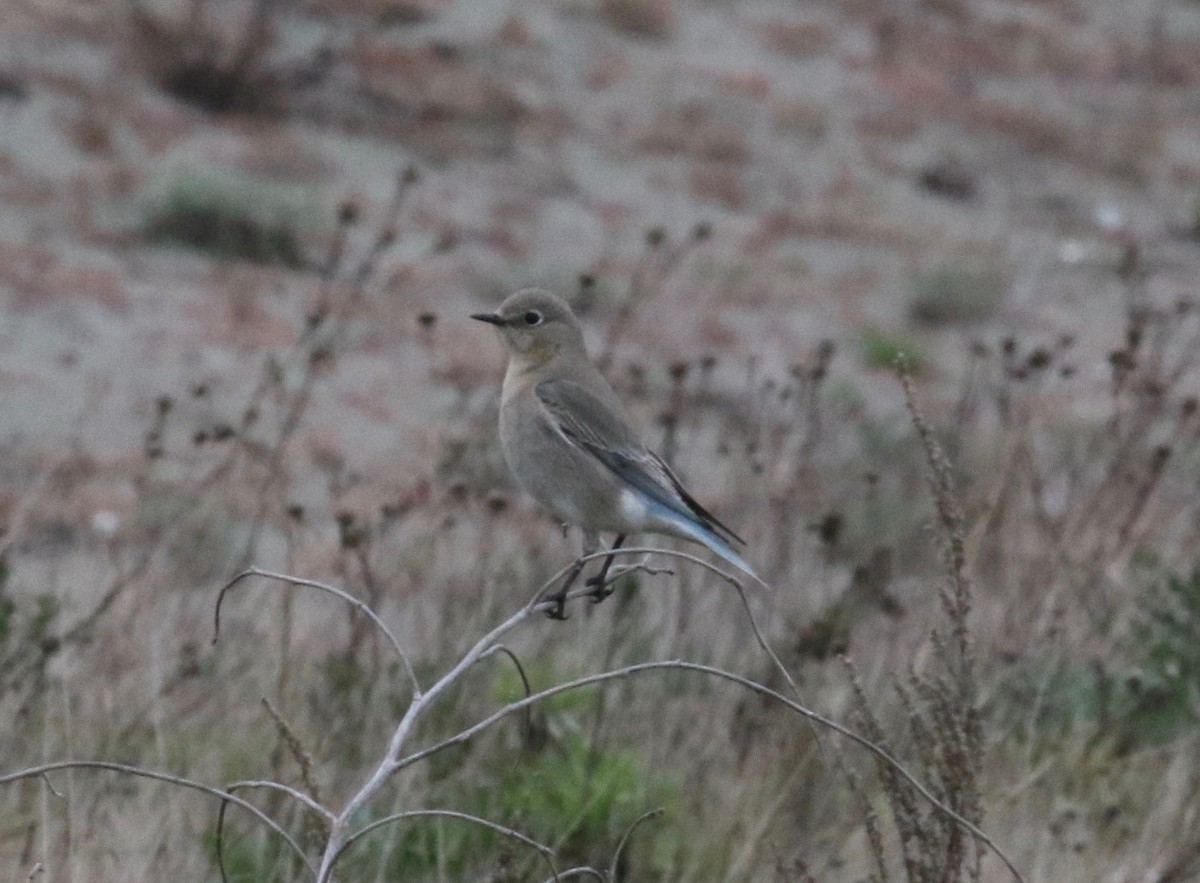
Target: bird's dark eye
point(533, 317)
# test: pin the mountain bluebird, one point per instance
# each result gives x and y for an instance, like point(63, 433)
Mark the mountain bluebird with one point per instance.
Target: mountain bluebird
point(568, 444)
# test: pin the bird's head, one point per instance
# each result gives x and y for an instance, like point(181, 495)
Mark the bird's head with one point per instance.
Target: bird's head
point(535, 325)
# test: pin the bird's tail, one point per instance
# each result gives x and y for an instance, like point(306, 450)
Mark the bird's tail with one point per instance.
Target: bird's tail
point(693, 531)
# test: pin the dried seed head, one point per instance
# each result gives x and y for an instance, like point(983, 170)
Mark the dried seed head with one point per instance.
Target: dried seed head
point(427, 319)
point(1122, 360)
point(702, 231)
point(1038, 359)
point(829, 529)
point(164, 405)
point(655, 237)
point(1160, 457)
point(1153, 388)
point(348, 212)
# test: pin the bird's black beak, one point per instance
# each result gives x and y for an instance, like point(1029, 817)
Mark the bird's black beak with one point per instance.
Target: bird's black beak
point(490, 318)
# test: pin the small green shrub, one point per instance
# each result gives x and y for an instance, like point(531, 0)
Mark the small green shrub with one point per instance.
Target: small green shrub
point(1165, 691)
point(1149, 703)
point(252, 857)
point(881, 349)
point(579, 799)
point(200, 214)
point(954, 293)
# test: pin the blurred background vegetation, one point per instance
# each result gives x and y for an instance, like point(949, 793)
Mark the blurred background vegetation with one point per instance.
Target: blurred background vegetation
point(239, 241)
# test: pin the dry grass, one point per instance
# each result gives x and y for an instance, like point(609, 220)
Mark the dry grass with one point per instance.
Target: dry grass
point(1030, 729)
point(1022, 626)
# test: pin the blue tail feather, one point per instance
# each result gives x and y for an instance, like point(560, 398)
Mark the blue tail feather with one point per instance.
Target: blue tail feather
point(698, 532)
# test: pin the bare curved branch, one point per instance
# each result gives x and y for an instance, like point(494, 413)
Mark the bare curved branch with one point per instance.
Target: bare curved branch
point(361, 606)
point(274, 786)
point(578, 872)
point(616, 859)
point(500, 648)
point(224, 796)
point(285, 789)
point(681, 665)
point(546, 852)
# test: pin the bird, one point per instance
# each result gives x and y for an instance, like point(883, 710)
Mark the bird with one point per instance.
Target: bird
point(569, 444)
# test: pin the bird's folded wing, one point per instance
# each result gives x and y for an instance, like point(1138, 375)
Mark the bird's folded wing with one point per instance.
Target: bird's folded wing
point(591, 425)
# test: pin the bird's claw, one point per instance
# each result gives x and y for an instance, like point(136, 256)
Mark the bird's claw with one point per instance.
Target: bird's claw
point(558, 608)
point(600, 587)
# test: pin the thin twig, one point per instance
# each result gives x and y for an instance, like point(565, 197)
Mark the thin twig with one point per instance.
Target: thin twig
point(50, 785)
point(578, 872)
point(762, 641)
point(545, 851)
point(616, 859)
point(275, 786)
point(641, 567)
point(324, 587)
point(42, 770)
point(285, 789)
point(500, 648)
point(681, 665)
point(625, 550)
point(219, 839)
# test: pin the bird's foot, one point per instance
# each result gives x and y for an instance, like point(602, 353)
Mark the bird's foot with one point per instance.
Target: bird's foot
point(558, 602)
point(600, 586)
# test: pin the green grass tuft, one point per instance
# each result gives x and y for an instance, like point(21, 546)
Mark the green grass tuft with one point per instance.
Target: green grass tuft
point(881, 349)
point(200, 214)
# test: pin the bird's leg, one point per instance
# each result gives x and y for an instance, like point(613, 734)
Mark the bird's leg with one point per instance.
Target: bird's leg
point(559, 598)
point(600, 591)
